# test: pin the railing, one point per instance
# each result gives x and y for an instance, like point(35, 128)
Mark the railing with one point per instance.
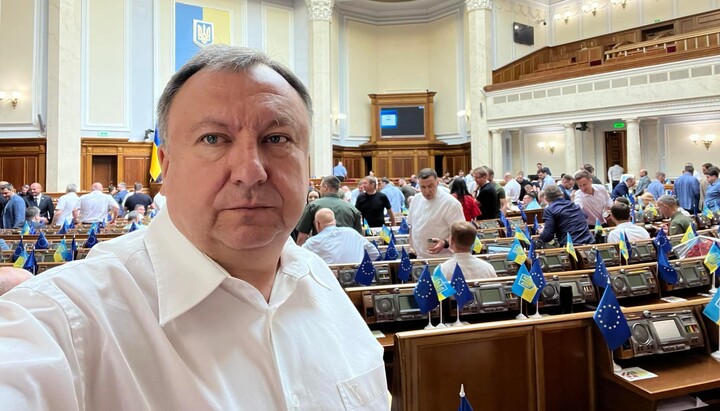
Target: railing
point(687, 41)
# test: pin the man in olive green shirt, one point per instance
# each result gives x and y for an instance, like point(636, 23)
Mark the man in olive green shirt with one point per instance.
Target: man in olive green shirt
point(345, 214)
point(670, 208)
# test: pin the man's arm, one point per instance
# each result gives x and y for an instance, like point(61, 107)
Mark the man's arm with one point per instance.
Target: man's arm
point(304, 226)
point(18, 214)
point(373, 252)
point(301, 238)
point(50, 210)
point(391, 215)
point(548, 232)
point(113, 212)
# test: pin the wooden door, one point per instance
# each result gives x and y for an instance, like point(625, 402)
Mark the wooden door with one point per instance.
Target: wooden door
point(615, 149)
point(104, 170)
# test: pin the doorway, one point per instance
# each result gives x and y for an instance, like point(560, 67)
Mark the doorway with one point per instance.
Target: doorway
point(615, 149)
point(104, 170)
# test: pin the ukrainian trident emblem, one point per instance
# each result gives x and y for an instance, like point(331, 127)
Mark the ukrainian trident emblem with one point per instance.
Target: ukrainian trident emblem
point(202, 33)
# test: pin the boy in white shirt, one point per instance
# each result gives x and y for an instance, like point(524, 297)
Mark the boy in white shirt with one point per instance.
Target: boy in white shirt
point(462, 238)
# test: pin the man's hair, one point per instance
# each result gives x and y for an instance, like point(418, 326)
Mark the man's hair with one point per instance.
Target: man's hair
point(707, 165)
point(138, 206)
point(9, 186)
point(332, 183)
point(385, 180)
point(588, 167)
point(71, 188)
point(122, 184)
point(567, 177)
point(31, 212)
point(712, 171)
point(221, 57)
point(659, 174)
point(133, 215)
point(463, 233)
point(138, 186)
point(371, 179)
point(583, 174)
point(668, 200)
point(481, 171)
point(490, 171)
point(620, 211)
point(622, 200)
point(553, 193)
point(426, 173)
point(689, 168)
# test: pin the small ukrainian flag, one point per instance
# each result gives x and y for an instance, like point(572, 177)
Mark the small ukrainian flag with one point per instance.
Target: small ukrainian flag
point(569, 247)
point(517, 253)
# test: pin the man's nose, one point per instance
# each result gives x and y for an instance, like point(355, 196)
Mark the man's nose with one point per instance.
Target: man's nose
point(247, 164)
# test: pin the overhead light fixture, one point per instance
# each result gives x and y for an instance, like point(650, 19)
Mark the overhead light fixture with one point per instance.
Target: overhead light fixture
point(707, 140)
point(547, 146)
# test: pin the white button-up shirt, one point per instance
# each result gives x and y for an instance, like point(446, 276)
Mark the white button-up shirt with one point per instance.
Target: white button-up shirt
point(341, 245)
point(149, 322)
point(94, 206)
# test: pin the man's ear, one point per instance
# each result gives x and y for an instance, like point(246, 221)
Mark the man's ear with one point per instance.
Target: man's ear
point(164, 160)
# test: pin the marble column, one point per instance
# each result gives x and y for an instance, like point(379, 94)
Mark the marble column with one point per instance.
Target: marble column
point(634, 157)
point(64, 85)
point(497, 153)
point(320, 16)
point(571, 165)
point(480, 75)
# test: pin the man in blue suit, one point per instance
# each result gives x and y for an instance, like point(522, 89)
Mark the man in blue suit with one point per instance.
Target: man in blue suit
point(13, 215)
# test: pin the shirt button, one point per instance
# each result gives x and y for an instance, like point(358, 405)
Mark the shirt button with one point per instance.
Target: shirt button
point(295, 400)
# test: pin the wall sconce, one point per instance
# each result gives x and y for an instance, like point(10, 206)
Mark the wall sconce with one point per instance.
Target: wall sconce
point(548, 146)
point(623, 3)
point(707, 140)
point(565, 17)
point(464, 113)
point(14, 97)
point(592, 8)
point(340, 117)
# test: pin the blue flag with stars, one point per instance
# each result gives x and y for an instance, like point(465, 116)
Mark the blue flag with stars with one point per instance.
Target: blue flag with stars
point(365, 273)
point(538, 278)
point(522, 212)
point(600, 277)
point(380, 254)
point(662, 241)
point(611, 321)
point(91, 240)
point(391, 253)
point(133, 227)
point(405, 266)
point(666, 272)
point(63, 229)
point(404, 228)
point(536, 227)
point(19, 250)
point(712, 310)
point(31, 263)
point(463, 295)
point(42, 242)
point(425, 295)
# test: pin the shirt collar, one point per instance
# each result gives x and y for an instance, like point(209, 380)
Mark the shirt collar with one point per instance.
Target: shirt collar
point(185, 275)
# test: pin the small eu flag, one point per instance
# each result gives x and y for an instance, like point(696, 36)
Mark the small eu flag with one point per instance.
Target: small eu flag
point(405, 266)
point(91, 240)
point(536, 227)
point(538, 278)
point(19, 250)
point(569, 247)
point(522, 212)
point(391, 253)
point(464, 403)
point(611, 321)
point(662, 241)
point(712, 310)
point(666, 272)
point(463, 295)
point(63, 229)
point(516, 253)
point(425, 294)
point(380, 255)
point(404, 228)
point(600, 277)
point(524, 286)
point(133, 227)
point(365, 273)
point(42, 242)
point(31, 263)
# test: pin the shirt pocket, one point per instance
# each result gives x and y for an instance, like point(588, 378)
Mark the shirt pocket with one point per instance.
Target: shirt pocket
point(367, 391)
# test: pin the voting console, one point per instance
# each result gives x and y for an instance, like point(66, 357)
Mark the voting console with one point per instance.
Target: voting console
point(661, 332)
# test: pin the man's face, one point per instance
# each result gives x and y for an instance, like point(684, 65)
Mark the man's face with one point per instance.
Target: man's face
point(585, 185)
point(630, 182)
point(140, 210)
point(568, 184)
point(236, 159)
point(428, 187)
point(666, 211)
point(541, 175)
point(35, 189)
point(481, 181)
point(6, 192)
point(711, 179)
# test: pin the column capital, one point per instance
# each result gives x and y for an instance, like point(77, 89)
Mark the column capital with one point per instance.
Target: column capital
point(568, 125)
point(496, 131)
point(631, 120)
point(473, 5)
point(320, 9)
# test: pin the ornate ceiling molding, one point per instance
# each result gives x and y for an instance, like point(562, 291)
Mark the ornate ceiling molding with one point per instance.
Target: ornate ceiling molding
point(320, 9)
point(473, 5)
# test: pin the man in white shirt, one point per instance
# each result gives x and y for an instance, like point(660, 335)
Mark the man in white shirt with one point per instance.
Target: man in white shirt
point(430, 217)
point(67, 206)
point(95, 205)
point(338, 245)
point(621, 214)
point(212, 306)
point(593, 199)
point(546, 179)
point(512, 188)
point(614, 174)
point(462, 238)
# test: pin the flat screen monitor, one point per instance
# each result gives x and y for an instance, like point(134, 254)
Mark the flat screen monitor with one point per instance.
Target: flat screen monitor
point(605, 254)
point(523, 34)
point(690, 273)
point(644, 250)
point(574, 286)
point(402, 121)
point(500, 266)
point(407, 303)
point(667, 330)
point(492, 295)
point(635, 280)
point(497, 249)
point(553, 260)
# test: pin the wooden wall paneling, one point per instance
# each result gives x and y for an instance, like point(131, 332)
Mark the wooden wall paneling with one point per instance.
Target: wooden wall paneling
point(136, 169)
point(564, 360)
point(22, 161)
point(383, 166)
point(121, 151)
point(104, 170)
point(13, 171)
point(434, 366)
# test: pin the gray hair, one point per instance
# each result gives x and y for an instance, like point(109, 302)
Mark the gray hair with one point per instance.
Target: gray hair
point(426, 173)
point(71, 188)
point(31, 212)
point(221, 57)
point(552, 193)
point(668, 200)
point(332, 183)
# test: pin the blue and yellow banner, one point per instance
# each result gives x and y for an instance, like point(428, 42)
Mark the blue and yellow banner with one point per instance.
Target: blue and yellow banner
point(197, 27)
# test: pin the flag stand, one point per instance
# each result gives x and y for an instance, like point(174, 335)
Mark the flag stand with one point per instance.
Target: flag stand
point(716, 354)
point(537, 311)
point(616, 367)
point(429, 326)
point(440, 324)
point(457, 322)
point(521, 316)
point(713, 288)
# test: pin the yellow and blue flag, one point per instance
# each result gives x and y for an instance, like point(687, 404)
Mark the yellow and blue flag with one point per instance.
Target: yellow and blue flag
point(666, 272)
point(365, 273)
point(366, 228)
point(623, 247)
point(197, 27)
point(405, 268)
point(517, 253)
point(712, 310)
point(25, 230)
point(463, 295)
point(569, 247)
point(18, 250)
point(154, 159)
point(62, 253)
point(712, 259)
point(611, 320)
point(20, 260)
point(707, 212)
point(442, 286)
point(425, 295)
point(524, 286)
point(477, 246)
point(520, 235)
point(385, 234)
point(689, 234)
point(598, 226)
point(651, 211)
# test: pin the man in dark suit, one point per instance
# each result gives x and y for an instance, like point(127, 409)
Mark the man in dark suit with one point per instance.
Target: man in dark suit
point(43, 202)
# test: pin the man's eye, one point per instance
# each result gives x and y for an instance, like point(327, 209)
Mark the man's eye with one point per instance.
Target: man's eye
point(211, 139)
point(276, 139)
